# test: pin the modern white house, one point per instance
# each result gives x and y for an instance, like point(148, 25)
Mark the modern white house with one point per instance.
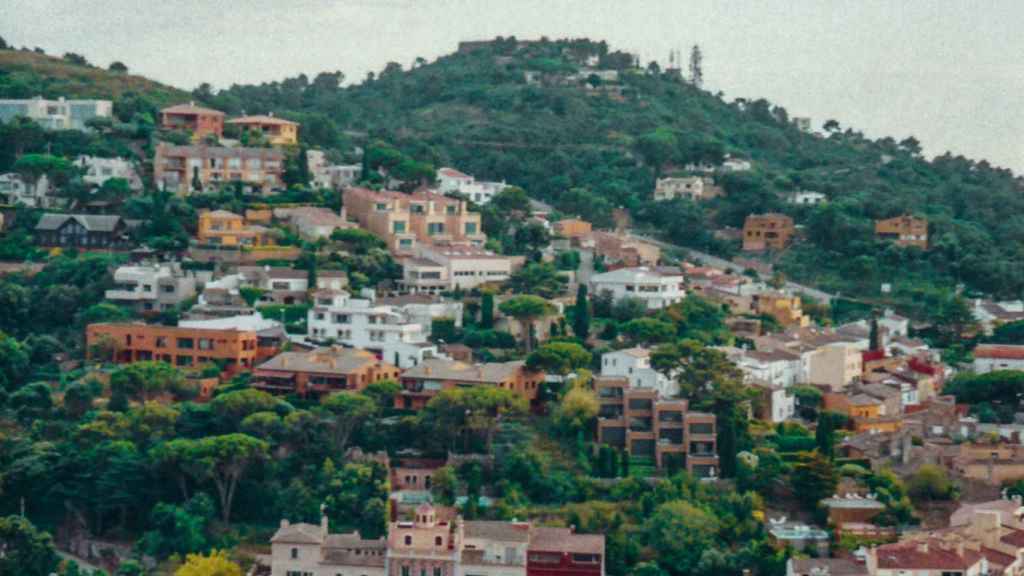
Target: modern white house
point(96, 171)
point(15, 190)
point(634, 364)
point(806, 197)
point(439, 268)
point(657, 287)
point(151, 288)
point(59, 114)
point(774, 373)
point(452, 181)
point(992, 357)
point(361, 323)
point(691, 187)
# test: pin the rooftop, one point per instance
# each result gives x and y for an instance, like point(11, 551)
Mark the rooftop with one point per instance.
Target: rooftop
point(262, 119)
point(999, 351)
point(547, 539)
point(190, 108)
point(322, 360)
point(490, 373)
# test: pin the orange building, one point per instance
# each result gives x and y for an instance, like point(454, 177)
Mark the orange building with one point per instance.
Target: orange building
point(277, 131)
point(402, 220)
point(785, 308)
point(571, 228)
point(136, 342)
point(770, 231)
point(423, 382)
point(224, 228)
point(195, 119)
point(904, 230)
point(322, 371)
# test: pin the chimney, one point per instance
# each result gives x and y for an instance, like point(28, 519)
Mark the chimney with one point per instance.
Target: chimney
point(323, 521)
point(284, 523)
point(284, 361)
point(426, 370)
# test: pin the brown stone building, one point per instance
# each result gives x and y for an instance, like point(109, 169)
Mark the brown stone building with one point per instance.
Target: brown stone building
point(403, 220)
point(424, 381)
point(904, 230)
point(770, 231)
point(194, 119)
point(322, 371)
point(637, 421)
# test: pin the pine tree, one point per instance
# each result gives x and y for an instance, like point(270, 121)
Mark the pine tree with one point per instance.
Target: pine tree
point(581, 317)
point(696, 66)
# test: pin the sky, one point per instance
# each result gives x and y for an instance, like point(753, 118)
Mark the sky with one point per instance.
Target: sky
point(945, 72)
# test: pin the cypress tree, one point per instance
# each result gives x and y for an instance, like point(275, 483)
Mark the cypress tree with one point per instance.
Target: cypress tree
point(487, 311)
point(581, 317)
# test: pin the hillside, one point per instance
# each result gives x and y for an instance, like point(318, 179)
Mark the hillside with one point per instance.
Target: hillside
point(26, 74)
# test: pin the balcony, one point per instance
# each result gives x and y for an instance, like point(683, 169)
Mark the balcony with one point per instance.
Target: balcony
point(127, 294)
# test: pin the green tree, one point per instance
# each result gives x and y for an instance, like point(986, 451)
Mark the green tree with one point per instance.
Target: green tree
point(931, 482)
point(527, 309)
point(383, 392)
point(216, 563)
point(146, 380)
point(581, 314)
point(468, 412)
point(679, 532)
point(487, 310)
point(577, 411)
point(647, 331)
point(344, 413)
point(540, 279)
point(814, 479)
point(559, 358)
point(26, 550)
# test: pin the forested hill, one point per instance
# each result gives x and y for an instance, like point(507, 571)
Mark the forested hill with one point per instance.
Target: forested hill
point(523, 112)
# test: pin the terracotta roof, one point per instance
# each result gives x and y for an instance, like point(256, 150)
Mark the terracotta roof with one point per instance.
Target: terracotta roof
point(262, 119)
point(323, 360)
point(190, 108)
point(544, 539)
point(498, 531)
point(1015, 538)
point(453, 173)
point(924, 556)
point(828, 567)
point(440, 369)
point(999, 351)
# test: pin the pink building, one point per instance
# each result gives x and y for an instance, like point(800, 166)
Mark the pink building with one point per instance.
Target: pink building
point(426, 546)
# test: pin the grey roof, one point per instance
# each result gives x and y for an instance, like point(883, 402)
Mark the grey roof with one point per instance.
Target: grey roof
point(497, 531)
point(298, 533)
point(440, 369)
point(827, 567)
point(323, 360)
point(91, 222)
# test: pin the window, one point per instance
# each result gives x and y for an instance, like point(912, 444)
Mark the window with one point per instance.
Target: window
point(405, 242)
point(186, 343)
point(435, 228)
point(408, 541)
point(206, 344)
point(438, 572)
point(438, 541)
point(399, 227)
point(295, 553)
point(470, 227)
point(405, 571)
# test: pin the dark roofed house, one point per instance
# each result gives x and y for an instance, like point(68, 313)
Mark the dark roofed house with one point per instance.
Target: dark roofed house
point(87, 231)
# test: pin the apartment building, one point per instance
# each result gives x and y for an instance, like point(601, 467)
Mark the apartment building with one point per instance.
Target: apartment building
point(426, 380)
point(177, 345)
point(276, 131)
point(451, 181)
point(767, 232)
point(639, 422)
point(442, 267)
point(179, 168)
point(223, 228)
point(992, 357)
point(385, 330)
point(59, 114)
point(904, 230)
point(690, 187)
point(322, 371)
point(151, 288)
point(787, 309)
point(562, 552)
point(198, 121)
point(657, 287)
point(634, 364)
point(406, 220)
point(836, 366)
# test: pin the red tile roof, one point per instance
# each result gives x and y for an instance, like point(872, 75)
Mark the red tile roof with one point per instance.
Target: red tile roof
point(1000, 351)
point(924, 556)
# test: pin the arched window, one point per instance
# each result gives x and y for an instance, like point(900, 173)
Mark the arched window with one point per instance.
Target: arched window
point(408, 540)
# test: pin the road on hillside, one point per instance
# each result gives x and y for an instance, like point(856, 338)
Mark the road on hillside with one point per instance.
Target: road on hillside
point(715, 261)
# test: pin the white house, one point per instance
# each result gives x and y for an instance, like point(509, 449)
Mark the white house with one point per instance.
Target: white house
point(360, 323)
point(992, 357)
point(151, 288)
point(691, 187)
point(736, 165)
point(96, 171)
point(439, 268)
point(894, 324)
point(491, 548)
point(424, 308)
point(302, 549)
point(59, 114)
point(990, 314)
point(634, 364)
point(452, 181)
point(15, 190)
point(806, 197)
point(657, 287)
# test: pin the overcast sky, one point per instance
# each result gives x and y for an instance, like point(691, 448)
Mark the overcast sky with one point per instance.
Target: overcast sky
point(946, 72)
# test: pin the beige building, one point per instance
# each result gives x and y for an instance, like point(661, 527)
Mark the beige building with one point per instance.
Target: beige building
point(310, 550)
point(835, 365)
point(443, 267)
point(178, 168)
point(407, 220)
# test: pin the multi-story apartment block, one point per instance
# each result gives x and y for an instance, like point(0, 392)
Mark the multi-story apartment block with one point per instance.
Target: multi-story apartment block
point(179, 345)
point(151, 288)
point(690, 187)
point(904, 230)
point(442, 267)
point(787, 309)
point(179, 168)
point(198, 121)
point(59, 114)
point(451, 181)
point(639, 422)
point(385, 330)
point(767, 232)
point(405, 220)
point(423, 382)
point(96, 171)
point(322, 371)
point(657, 287)
point(223, 228)
point(634, 364)
point(277, 131)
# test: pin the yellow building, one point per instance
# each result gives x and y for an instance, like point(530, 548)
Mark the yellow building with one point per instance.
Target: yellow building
point(786, 309)
point(277, 131)
point(223, 228)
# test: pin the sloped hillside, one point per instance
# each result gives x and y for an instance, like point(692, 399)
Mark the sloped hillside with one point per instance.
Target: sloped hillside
point(26, 74)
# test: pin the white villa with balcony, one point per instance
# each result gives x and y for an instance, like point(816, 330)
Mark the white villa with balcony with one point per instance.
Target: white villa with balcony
point(634, 364)
point(657, 287)
point(151, 288)
point(385, 330)
point(452, 181)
